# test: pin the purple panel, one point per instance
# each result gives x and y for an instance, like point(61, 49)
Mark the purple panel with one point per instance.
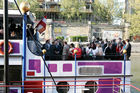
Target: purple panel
point(52, 67)
point(13, 90)
point(35, 64)
point(67, 67)
point(16, 48)
point(108, 88)
point(109, 67)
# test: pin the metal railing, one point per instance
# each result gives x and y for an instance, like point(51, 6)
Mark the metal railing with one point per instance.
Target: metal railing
point(81, 87)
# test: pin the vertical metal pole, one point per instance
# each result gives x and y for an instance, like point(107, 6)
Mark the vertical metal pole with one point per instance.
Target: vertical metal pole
point(44, 75)
point(24, 52)
point(6, 56)
point(124, 73)
point(75, 74)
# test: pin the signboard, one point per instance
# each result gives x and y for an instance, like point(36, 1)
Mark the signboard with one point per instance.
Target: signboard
point(110, 35)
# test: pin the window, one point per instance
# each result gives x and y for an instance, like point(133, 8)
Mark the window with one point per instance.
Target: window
point(62, 89)
point(14, 73)
point(92, 89)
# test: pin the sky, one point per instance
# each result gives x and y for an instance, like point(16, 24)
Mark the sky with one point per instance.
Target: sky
point(11, 0)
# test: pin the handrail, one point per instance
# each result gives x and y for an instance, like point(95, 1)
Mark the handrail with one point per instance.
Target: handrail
point(93, 85)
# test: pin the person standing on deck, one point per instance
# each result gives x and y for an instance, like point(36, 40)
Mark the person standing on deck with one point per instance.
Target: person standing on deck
point(78, 52)
point(47, 46)
point(108, 51)
point(128, 48)
point(65, 53)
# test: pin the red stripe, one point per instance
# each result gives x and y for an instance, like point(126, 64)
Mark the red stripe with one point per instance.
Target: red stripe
point(30, 73)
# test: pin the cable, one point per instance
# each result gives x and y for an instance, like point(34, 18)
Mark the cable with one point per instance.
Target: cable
point(35, 43)
point(49, 70)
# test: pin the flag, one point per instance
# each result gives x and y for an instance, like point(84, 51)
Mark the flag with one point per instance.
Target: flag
point(41, 26)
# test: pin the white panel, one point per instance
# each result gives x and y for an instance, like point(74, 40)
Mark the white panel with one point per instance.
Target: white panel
point(60, 71)
point(128, 68)
point(31, 56)
point(12, 61)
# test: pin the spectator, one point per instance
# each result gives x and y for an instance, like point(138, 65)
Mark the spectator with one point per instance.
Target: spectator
point(105, 44)
point(19, 32)
point(13, 35)
point(92, 51)
point(123, 47)
point(65, 53)
point(87, 48)
point(99, 54)
point(118, 51)
point(83, 52)
point(53, 51)
point(71, 50)
point(47, 47)
point(113, 49)
point(78, 53)
point(12, 27)
point(120, 41)
point(59, 49)
point(1, 32)
point(128, 48)
point(107, 51)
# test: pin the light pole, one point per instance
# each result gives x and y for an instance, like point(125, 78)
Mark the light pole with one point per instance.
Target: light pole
point(24, 7)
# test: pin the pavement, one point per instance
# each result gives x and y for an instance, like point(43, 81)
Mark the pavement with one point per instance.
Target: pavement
point(135, 47)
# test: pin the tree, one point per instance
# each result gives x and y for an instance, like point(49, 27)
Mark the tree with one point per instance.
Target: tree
point(106, 11)
point(11, 5)
point(34, 8)
point(71, 8)
point(101, 12)
point(133, 17)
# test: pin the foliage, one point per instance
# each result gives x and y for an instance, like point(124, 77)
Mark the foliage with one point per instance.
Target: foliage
point(60, 37)
point(71, 8)
point(134, 17)
point(100, 12)
point(79, 38)
point(35, 9)
point(34, 6)
point(106, 12)
point(115, 8)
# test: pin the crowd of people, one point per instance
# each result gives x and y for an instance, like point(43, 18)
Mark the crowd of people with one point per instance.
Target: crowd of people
point(96, 50)
point(15, 31)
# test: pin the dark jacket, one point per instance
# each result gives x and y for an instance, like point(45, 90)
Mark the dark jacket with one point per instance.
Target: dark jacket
point(108, 52)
